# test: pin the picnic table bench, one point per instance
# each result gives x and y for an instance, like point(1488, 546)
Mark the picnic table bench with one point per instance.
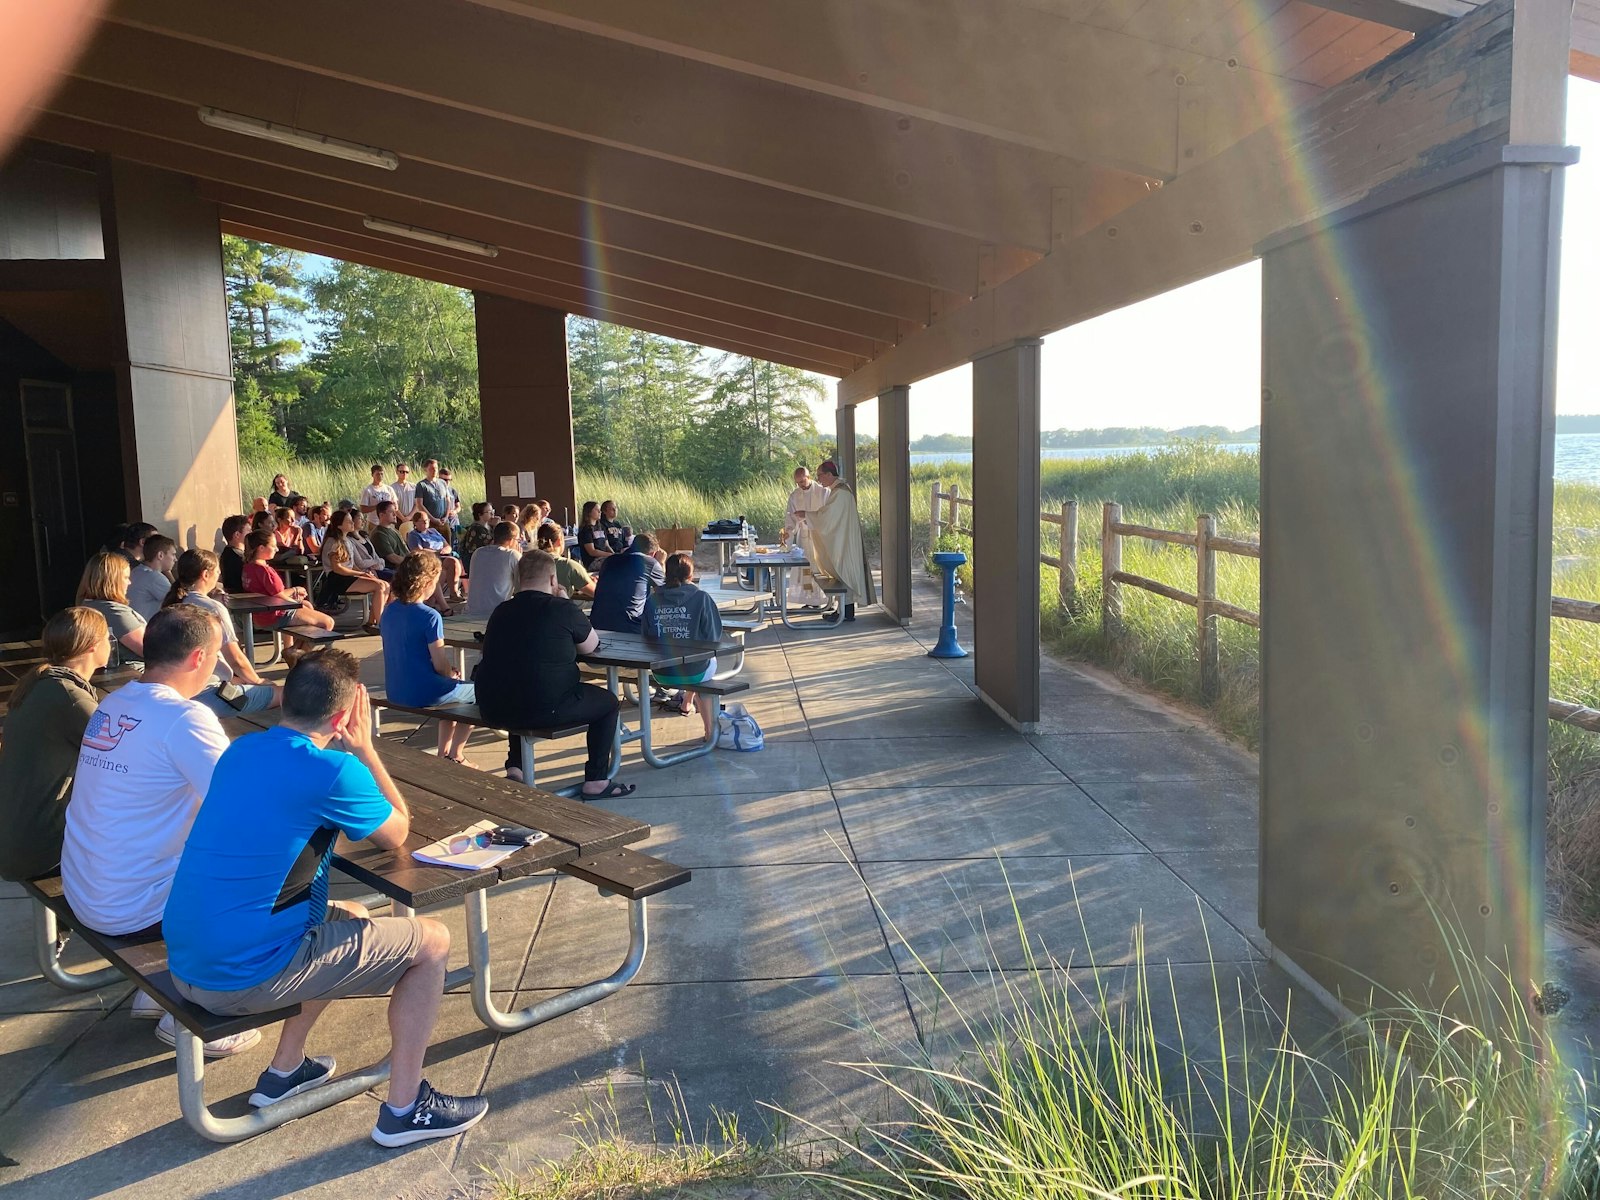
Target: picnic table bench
point(628, 651)
point(585, 842)
point(780, 563)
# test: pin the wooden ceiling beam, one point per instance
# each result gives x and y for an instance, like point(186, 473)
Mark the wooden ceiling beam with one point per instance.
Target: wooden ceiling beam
point(599, 176)
point(1410, 116)
point(166, 134)
point(405, 261)
point(1031, 74)
point(519, 270)
point(621, 96)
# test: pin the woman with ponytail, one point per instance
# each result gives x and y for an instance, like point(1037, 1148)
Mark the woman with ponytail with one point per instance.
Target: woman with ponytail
point(238, 688)
point(49, 711)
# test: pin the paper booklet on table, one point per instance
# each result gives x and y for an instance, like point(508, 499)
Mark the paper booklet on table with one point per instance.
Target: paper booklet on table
point(476, 858)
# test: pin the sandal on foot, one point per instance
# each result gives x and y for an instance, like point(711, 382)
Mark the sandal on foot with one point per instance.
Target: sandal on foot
point(613, 788)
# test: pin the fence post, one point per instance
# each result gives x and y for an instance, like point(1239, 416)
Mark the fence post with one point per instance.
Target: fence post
point(953, 518)
point(933, 509)
point(1110, 564)
point(1069, 556)
point(1206, 589)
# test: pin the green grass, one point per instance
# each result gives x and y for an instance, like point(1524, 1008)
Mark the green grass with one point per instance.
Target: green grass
point(644, 505)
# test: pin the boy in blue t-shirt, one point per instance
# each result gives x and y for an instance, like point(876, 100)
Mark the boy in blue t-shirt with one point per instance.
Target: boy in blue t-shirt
point(249, 927)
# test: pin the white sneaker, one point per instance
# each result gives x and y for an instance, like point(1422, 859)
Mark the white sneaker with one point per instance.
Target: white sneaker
point(237, 1043)
point(145, 1009)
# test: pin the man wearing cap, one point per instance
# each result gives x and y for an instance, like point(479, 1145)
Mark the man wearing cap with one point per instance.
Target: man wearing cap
point(841, 553)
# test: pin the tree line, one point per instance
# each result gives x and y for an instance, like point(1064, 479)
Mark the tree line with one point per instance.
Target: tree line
point(389, 369)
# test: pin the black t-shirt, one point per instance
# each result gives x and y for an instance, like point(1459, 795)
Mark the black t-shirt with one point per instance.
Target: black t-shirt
point(614, 535)
point(279, 500)
point(530, 656)
point(590, 536)
point(232, 563)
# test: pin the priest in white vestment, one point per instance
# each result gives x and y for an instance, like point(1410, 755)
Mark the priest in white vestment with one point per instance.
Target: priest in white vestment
point(836, 535)
point(807, 497)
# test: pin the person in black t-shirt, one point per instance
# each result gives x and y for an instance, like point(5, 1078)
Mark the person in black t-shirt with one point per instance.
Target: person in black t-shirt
point(592, 544)
point(617, 534)
point(528, 676)
point(232, 557)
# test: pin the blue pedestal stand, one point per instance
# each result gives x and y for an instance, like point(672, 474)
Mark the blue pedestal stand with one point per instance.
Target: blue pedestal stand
point(948, 647)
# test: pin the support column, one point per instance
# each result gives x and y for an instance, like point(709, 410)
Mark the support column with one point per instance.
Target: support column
point(175, 377)
point(894, 499)
point(845, 440)
point(1005, 524)
point(1407, 444)
point(526, 404)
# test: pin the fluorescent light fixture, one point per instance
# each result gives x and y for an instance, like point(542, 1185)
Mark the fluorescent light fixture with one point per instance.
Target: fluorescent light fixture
point(302, 139)
point(432, 236)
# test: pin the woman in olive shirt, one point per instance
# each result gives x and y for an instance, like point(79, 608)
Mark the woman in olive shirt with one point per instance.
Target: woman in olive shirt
point(44, 727)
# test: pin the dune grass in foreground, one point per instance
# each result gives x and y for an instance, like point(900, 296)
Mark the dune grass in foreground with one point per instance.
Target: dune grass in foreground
point(1081, 1084)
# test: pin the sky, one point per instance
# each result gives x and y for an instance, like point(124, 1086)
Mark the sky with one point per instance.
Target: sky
point(1197, 349)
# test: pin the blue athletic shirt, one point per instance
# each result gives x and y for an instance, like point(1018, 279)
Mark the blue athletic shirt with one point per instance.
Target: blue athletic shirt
point(254, 872)
point(408, 673)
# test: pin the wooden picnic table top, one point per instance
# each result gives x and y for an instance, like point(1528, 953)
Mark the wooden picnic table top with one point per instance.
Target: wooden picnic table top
point(615, 650)
point(445, 798)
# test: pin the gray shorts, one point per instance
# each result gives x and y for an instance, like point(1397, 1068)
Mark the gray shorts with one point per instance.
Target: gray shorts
point(342, 957)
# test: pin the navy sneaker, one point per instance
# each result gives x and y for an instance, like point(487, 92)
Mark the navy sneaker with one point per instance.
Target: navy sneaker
point(272, 1087)
point(434, 1115)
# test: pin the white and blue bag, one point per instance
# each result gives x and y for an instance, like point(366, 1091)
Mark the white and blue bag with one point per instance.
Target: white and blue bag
point(738, 730)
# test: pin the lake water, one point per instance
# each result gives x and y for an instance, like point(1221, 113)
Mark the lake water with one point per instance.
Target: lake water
point(1577, 455)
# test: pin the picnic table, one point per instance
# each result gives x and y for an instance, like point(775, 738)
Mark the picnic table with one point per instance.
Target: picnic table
point(245, 605)
point(617, 652)
point(725, 542)
point(779, 563)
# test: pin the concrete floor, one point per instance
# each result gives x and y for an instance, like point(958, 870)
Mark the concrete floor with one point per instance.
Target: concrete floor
point(851, 881)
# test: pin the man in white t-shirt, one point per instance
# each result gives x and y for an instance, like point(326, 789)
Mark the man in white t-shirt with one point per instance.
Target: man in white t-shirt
point(143, 768)
point(405, 492)
point(376, 492)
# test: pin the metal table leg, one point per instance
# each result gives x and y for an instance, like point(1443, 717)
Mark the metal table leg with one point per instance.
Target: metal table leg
point(501, 1021)
point(46, 942)
point(648, 750)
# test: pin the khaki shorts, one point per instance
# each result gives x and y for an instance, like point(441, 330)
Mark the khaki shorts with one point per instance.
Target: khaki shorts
point(341, 957)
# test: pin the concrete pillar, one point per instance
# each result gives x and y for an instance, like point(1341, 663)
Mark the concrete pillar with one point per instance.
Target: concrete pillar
point(1407, 443)
point(845, 438)
point(526, 404)
point(174, 373)
point(1005, 484)
point(894, 499)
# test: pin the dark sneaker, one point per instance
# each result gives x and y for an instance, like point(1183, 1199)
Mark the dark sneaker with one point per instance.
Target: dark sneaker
point(272, 1087)
point(435, 1115)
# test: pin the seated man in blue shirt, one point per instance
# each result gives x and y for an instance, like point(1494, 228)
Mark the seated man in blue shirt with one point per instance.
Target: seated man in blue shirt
point(248, 924)
point(623, 600)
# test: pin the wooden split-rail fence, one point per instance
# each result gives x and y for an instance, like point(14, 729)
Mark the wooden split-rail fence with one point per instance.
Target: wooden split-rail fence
point(1207, 544)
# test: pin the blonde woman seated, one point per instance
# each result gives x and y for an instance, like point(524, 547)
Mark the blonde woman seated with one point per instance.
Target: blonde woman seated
point(418, 670)
point(345, 575)
point(104, 588)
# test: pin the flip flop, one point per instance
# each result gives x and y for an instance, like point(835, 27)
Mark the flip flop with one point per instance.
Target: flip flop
point(613, 788)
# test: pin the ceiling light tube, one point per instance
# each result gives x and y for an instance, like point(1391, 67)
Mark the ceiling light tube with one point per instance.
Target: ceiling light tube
point(302, 139)
point(432, 236)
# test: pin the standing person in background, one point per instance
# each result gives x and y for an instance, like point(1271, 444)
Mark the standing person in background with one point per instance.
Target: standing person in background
point(494, 569)
point(47, 715)
point(433, 493)
point(282, 495)
point(836, 535)
point(405, 492)
point(148, 584)
point(805, 499)
point(452, 516)
point(376, 492)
